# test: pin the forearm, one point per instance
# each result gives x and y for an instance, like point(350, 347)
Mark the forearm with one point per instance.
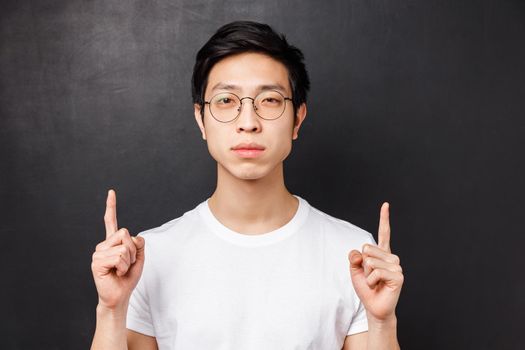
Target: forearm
point(382, 335)
point(110, 332)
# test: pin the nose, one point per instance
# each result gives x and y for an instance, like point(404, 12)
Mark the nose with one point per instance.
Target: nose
point(248, 119)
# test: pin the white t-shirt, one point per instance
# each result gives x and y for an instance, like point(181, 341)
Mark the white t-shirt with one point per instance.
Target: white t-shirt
point(205, 286)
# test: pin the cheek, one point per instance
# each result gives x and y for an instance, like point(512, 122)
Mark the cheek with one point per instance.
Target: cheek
point(283, 142)
point(287, 148)
point(215, 141)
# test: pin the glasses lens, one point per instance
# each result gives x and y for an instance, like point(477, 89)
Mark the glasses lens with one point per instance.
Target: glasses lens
point(225, 107)
point(270, 104)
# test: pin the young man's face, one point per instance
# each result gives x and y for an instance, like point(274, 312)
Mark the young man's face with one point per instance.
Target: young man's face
point(248, 74)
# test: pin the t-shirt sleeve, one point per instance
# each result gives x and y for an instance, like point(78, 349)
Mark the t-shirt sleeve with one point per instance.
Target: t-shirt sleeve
point(359, 321)
point(139, 313)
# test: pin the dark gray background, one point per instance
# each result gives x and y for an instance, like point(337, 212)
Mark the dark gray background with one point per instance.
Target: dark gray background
point(420, 103)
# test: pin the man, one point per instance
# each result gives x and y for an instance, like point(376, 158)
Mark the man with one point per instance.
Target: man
point(252, 267)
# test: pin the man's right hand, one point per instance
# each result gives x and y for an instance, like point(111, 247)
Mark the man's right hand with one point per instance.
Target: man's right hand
point(117, 262)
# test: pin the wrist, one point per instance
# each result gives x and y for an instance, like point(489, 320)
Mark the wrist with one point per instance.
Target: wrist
point(389, 322)
point(115, 313)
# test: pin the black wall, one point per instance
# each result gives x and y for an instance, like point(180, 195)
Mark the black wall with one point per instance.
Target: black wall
point(420, 103)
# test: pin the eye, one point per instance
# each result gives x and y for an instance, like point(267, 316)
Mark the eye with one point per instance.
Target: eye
point(224, 100)
point(271, 101)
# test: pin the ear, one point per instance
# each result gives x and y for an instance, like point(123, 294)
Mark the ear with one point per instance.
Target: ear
point(299, 118)
point(199, 119)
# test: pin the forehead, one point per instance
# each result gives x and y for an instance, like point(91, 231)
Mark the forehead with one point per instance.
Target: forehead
point(247, 73)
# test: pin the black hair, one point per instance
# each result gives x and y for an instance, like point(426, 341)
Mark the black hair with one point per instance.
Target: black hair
point(247, 36)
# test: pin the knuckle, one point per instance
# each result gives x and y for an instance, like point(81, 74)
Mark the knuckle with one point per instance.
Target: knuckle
point(118, 260)
point(123, 249)
point(129, 243)
point(373, 278)
point(123, 267)
point(395, 259)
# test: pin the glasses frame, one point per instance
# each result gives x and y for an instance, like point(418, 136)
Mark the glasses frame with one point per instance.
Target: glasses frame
point(253, 105)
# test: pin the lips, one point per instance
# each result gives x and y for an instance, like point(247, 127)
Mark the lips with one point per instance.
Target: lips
point(248, 146)
point(248, 150)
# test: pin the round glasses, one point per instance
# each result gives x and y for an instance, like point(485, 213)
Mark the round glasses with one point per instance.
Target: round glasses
point(226, 106)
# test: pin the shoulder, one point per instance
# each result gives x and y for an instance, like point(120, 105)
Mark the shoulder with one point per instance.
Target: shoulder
point(339, 230)
point(174, 229)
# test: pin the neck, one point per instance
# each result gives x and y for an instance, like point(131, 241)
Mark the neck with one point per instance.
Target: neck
point(252, 206)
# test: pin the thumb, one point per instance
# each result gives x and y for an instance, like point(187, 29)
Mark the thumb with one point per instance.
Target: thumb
point(356, 259)
point(357, 275)
point(139, 244)
point(135, 271)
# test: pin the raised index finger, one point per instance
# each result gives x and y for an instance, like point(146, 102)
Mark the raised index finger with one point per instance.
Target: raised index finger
point(110, 216)
point(384, 228)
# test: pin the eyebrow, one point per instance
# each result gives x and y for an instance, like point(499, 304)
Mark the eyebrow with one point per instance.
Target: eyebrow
point(224, 86)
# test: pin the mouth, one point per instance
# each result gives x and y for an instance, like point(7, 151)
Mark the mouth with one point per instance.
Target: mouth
point(248, 150)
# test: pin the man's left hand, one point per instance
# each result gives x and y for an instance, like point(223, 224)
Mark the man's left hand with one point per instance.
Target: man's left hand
point(376, 273)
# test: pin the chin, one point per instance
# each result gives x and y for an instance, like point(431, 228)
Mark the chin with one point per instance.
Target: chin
point(249, 174)
point(248, 171)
